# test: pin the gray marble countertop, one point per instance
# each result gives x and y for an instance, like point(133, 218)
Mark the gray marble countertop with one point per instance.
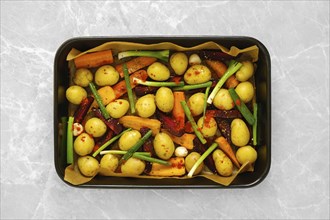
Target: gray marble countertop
point(296, 34)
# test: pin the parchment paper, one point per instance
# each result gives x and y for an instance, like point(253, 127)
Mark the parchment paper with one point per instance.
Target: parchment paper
point(72, 174)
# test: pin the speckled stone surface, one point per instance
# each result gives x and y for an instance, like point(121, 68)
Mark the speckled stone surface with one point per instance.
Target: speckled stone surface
point(296, 34)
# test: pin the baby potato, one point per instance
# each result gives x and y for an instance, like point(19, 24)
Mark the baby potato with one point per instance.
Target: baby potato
point(245, 91)
point(196, 103)
point(210, 127)
point(179, 62)
point(190, 161)
point(82, 77)
point(83, 144)
point(223, 164)
point(75, 94)
point(245, 72)
point(197, 74)
point(246, 154)
point(223, 100)
point(164, 99)
point(240, 134)
point(95, 127)
point(109, 162)
point(88, 166)
point(158, 72)
point(133, 166)
point(129, 139)
point(106, 76)
point(163, 146)
point(145, 106)
point(117, 108)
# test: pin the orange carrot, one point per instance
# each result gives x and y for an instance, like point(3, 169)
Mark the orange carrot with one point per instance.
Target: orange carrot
point(226, 148)
point(186, 140)
point(135, 64)
point(120, 88)
point(95, 59)
point(220, 68)
point(178, 112)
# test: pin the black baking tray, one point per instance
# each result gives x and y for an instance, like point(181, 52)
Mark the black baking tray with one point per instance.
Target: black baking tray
point(263, 94)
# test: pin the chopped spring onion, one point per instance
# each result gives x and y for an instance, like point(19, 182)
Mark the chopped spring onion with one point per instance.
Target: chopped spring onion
point(202, 158)
point(158, 84)
point(129, 89)
point(110, 142)
point(196, 86)
point(162, 54)
point(192, 121)
point(254, 126)
point(69, 141)
point(233, 67)
point(99, 100)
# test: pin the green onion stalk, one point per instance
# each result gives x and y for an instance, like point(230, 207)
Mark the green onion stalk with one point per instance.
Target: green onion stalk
point(233, 67)
point(162, 54)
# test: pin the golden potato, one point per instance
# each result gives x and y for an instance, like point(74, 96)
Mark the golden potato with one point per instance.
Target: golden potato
point(164, 99)
point(75, 94)
point(133, 166)
point(246, 154)
point(245, 91)
point(158, 72)
point(129, 139)
point(83, 144)
point(95, 127)
point(117, 108)
point(223, 164)
point(109, 162)
point(106, 75)
point(240, 134)
point(146, 106)
point(88, 166)
point(245, 72)
point(196, 103)
point(190, 161)
point(179, 62)
point(197, 74)
point(210, 127)
point(163, 146)
point(82, 77)
point(223, 100)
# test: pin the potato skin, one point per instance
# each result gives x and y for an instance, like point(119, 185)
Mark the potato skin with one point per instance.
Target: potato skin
point(246, 154)
point(163, 146)
point(190, 160)
point(95, 127)
point(129, 139)
point(197, 74)
point(245, 91)
point(164, 99)
point(240, 134)
point(146, 106)
point(179, 62)
point(106, 75)
point(210, 127)
point(223, 164)
point(75, 94)
point(245, 72)
point(82, 77)
point(223, 100)
point(109, 162)
point(88, 166)
point(196, 103)
point(133, 166)
point(158, 72)
point(83, 144)
point(117, 108)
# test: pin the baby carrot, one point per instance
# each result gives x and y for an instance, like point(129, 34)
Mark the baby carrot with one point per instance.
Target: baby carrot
point(94, 59)
point(225, 147)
